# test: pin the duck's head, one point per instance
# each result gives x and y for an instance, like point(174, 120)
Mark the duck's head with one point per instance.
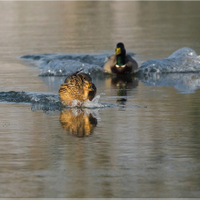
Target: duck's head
point(120, 52)
point(87, 82)
point(88, 86)
point(89, 89)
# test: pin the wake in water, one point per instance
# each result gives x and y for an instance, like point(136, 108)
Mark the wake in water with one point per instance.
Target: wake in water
point(176, 70)
point(180, 70)
point(28, 97)
point(66, 64)
point(183, 82)
point(48, 102)
point(182, 60)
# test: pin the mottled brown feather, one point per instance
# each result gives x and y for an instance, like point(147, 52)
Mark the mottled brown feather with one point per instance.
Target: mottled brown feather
point(77, 86)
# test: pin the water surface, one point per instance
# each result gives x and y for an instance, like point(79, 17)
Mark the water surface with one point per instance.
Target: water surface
point(140, 139)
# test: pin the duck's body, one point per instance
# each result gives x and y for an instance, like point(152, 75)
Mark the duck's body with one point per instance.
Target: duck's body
point(120, 62)
point(77, 86)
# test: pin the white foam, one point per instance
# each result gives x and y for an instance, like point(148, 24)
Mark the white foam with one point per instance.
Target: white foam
point(94, 103)
point(58, 67)
point(66, 64)
point(182, 60)
point(86, 104)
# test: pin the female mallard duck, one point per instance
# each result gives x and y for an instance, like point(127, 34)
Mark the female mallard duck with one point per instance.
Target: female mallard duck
point(120, 62)
point(77, 86)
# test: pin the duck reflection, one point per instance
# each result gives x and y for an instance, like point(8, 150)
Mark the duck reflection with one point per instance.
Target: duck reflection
point(123, 84)
point(78, 122)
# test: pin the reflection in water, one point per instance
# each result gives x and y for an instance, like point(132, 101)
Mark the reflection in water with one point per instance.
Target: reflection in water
point(183, 82)
point(155, 147)
point(122, 84)
point(78, 122)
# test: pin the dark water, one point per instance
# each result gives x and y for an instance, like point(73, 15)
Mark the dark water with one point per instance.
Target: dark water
point(138, 138)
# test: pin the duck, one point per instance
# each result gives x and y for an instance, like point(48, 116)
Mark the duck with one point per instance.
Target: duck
point(120, 62)
point(77, 86)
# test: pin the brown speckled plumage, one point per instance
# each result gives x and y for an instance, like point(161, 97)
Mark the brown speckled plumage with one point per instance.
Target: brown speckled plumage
point(77, 86)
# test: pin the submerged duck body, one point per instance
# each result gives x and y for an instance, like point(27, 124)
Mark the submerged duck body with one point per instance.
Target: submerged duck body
point(77, 86)
point(120, 62)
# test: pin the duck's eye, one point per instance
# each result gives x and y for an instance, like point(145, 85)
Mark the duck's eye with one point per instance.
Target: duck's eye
point(85, 78)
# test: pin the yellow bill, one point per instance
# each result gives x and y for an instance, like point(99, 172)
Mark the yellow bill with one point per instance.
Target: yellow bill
point(89, 87)
point(118, 51)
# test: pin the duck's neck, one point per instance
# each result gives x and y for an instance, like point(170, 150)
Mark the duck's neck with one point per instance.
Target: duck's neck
point(121, 59)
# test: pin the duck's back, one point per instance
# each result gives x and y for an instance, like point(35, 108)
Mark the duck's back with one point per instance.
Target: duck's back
point(111, 62)
point(69, 92)
point(130, 62)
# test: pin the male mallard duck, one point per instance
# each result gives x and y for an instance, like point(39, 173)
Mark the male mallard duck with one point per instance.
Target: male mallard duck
point(77, 86)
point(120, 62)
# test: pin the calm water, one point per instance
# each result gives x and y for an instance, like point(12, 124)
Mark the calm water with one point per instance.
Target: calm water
point(148, 146)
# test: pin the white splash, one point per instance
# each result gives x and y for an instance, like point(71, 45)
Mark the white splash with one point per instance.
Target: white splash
point(66, 64)
point(182, 60)
point(93, 104)
point(86, 104)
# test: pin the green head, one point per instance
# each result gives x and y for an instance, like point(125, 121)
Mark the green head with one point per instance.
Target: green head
point(121, 53)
